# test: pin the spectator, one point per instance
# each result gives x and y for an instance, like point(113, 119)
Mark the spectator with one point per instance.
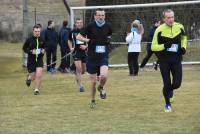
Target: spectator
point(51, 41)
point(134, 46)
point(64, 48)
point(156, 23)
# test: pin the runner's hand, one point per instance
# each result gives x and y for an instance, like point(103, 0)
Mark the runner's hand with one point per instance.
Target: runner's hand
point(83, 47)
point(34, 51)
point(71, 49)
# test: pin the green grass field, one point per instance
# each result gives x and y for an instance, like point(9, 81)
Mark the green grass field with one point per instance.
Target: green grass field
point(133, 106)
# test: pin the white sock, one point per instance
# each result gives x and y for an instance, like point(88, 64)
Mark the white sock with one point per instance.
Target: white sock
point(36, 90)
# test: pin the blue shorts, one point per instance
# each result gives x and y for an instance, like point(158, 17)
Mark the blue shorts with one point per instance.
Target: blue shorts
point(93, 65)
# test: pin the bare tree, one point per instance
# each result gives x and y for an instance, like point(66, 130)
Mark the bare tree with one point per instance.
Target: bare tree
point(67, 6)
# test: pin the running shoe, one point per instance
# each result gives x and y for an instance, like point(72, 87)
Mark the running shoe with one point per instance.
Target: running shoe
point(28, 81)
point(53, 70)
point(102, 92)
point(82, 89)
point(168, 108)
point(50, 71)
point(36, 92)
point(93, 104)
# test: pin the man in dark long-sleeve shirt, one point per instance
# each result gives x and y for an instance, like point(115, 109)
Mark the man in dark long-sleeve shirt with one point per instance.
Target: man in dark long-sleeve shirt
point(35, 49)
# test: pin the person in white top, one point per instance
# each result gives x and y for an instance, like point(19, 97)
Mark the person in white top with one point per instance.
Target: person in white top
point(134, 46)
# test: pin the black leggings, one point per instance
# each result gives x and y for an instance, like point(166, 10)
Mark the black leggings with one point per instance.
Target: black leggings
point(133, 63)
point(167, 70)
point(146, 58)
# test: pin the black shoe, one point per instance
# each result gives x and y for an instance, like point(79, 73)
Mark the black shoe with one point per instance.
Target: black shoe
point(36, 92)
point(102, 92)
point(28, 81)
point(82, 89)
point(93, 104)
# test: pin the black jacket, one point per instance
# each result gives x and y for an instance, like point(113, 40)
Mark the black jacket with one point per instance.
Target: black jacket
point(50, 38)
point(30, 44)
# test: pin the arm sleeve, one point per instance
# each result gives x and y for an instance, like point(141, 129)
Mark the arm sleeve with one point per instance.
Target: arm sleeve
point(43, 45)
point(57, 38)
point(66, 36)
point(70, 36)
point(85, 31)
point(157, 44)
point(110, 31)
point(26, 47)
point(129, 38)
point(151, 33)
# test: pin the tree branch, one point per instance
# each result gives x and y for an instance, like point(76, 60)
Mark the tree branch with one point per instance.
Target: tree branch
point(67, 6)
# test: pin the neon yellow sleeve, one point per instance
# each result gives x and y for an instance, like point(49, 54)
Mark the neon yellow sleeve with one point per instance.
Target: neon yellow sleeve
point(155, 46)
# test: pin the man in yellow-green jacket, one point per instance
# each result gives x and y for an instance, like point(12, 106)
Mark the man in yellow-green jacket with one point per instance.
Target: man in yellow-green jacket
point(169, 44)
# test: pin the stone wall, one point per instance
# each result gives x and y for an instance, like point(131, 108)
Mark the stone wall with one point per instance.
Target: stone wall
point(11, 12)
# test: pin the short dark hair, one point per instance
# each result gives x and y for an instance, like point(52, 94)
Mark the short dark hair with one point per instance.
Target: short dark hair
point(98, 9)
point(77, 19)
point(50, 22)
point(65, 23)
point(155, 20)
point(165, 11)
point(39, 25)
point(35, 26)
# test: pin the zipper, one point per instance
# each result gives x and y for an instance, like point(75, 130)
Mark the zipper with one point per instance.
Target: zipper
point(171, 31)
point(37, 42)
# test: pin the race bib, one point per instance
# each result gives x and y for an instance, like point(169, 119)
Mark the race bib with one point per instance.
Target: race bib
point(100, 49)
point(78, 42)
point(173, 48)
point(38, 51)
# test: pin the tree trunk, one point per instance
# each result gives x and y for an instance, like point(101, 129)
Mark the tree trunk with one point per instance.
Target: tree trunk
point(67, 6)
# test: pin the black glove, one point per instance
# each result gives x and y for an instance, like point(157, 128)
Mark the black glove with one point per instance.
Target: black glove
point(182, 51)
point(167, 44)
